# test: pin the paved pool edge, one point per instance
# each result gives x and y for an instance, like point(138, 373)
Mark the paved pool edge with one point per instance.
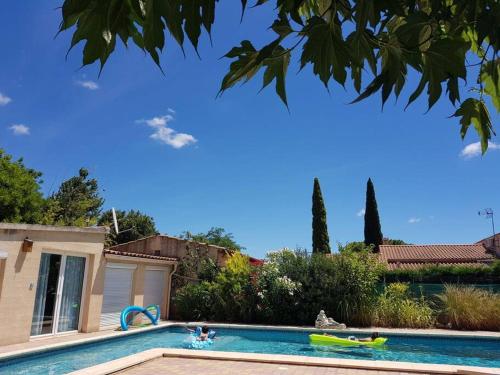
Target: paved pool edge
point(137, 359)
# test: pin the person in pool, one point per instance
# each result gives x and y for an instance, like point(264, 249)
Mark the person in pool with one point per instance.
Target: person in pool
point(373, 337)
point(203, 334)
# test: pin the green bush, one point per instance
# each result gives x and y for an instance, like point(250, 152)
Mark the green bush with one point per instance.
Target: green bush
point(397, 308)
point(355, 276)
point(290, 288)
point(278, 296)
point(229, 297)
point(466, 307)
point(233, 291)
point(195, 301)
point(293, 287)
point(450, 274)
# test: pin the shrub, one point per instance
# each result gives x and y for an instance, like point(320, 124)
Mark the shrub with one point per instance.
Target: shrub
point(354, 290)
point(194, 301)
point(466, 307)
point(396, 308)
point(234, 297)
point(453, 273)
point(227, 296)
point(278, 295)
point(293, 286)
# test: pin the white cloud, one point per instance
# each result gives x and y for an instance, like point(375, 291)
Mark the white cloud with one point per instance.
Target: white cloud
point(172, 138)
point(171, 110)
point(20, 129)
point(474, 149)
point(90, 85)
point(165, 134)
point(414, 220)
point(4, 99)
point(158, 122)
point(361, 212)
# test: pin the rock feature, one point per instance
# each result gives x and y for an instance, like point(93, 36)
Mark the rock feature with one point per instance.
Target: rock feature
point(322, 321)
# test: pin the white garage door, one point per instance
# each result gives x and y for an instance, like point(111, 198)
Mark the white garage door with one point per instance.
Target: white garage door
point(154, 286)
point(117, 292)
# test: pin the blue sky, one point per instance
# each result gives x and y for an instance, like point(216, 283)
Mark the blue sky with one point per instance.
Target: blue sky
point(167, 146)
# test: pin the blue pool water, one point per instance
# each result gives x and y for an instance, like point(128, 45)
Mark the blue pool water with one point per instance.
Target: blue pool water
point(457, 351)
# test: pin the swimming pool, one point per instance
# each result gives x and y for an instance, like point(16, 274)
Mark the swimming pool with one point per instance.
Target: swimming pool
point(455, 351)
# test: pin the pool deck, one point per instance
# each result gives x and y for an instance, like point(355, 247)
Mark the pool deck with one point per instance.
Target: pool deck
point(154, 357)
point(182, 366)
point(234, 360)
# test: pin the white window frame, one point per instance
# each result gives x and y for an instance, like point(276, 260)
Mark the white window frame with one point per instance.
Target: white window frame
point(60, 285)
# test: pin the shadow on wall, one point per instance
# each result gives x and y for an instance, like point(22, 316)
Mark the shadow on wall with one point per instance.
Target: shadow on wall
point(21, 257)
point(2, 273)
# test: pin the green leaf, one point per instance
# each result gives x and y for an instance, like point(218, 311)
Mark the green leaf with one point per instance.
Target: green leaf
point(473, 111)
point(361, 49)
point(246, 55)
point(276, 68)
point(282, 27)
point(393, 74)
point(490, 78)
point(171, 13)
point(153, 30)
point(325, 50)
point(243, 8)
point(443, 61)
point(273, 57)
point(192, 21)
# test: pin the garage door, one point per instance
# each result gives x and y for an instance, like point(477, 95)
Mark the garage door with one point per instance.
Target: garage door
point(155, 280)
point(117, 292)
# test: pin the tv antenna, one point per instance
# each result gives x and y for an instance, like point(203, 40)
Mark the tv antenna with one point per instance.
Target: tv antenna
point(115, 223)
point(489, 214)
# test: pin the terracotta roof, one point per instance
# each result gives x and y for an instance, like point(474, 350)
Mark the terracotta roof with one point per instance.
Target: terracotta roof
point(415, 256)
point(497, 236)
point(255, 262)
point(139, 255)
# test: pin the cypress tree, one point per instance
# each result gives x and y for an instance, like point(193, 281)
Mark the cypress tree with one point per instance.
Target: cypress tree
point(320, 239)
point(373, 231)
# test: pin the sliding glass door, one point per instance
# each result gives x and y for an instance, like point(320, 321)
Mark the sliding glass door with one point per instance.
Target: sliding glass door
point(58, 294)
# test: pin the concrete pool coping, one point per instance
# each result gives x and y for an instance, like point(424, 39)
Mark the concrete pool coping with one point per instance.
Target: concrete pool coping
point(137, 359)
point(48, 344)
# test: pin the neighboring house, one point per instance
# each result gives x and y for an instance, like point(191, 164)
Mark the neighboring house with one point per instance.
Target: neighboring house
point(417, 256)
point(169, 246)
point(492, 243)
point(57, 280)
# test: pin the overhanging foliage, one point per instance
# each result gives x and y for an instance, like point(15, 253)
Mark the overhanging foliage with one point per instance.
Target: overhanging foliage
point(448, 43)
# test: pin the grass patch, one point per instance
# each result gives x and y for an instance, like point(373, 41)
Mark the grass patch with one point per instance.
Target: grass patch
point(466, 307)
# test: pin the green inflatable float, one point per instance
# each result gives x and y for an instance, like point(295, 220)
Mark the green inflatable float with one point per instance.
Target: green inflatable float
point(334, 340)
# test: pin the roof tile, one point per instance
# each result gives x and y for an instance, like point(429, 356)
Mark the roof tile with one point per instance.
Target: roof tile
point(139, 255)
point(415, 256)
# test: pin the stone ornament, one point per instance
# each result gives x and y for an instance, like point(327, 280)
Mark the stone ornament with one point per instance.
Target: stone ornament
point(322, 321)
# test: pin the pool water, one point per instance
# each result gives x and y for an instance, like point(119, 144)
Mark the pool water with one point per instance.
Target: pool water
point(456, 351)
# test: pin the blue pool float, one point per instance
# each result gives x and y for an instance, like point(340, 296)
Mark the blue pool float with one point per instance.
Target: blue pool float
point(198, 344)
point(211, 333)
point(144, 310)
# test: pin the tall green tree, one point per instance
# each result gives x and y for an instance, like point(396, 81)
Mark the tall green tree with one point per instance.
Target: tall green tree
point(215, 236)
point(133, 225)
point(21, 200)
point(320, 238)
point(373, 230)
point(77, 202)
point(370, 45)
